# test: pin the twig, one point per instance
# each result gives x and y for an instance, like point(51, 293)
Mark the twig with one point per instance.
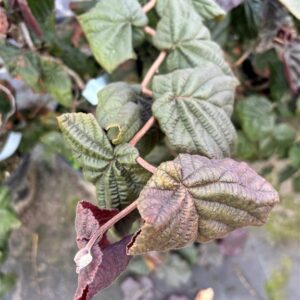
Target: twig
point(147, 7)
point(149, 30)
point(146, 165)
point(30, 18)
point(142, 131)
point(12, 100)
point(243, 58)
point(27, 36)
point(153, 69)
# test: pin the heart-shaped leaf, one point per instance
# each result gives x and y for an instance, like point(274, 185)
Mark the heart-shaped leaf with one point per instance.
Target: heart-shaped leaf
point(120, 111)
point(182, 32)
point(194, 198)
point(207, 9)
point(109, 30)
point(114, 171)
point(108, 260)
point(193, 108)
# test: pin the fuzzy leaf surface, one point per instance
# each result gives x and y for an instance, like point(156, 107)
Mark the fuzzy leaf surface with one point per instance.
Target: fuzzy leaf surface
point(109, 30)
point(119, 112)
point(109, 260)
point(207, 9)
point(194, 198)
point(188, 45)
point(114, 171)
point(193, 108)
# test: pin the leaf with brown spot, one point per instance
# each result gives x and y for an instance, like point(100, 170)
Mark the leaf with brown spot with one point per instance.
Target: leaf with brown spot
point(194, 198)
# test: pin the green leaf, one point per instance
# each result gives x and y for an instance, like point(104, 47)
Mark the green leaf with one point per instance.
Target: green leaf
point(194, 198)
point(193, 108)
point(118, 112)
point(8, 219)
point(244, 149)
point(56, 81)
point(294, 155)
point(109, 30)
point(256, 117)
point(22, 64)
point(293, 6)
point(114, 171)
point(7, 282)
point(284, 136)
point(207, 9)
point(188, 45)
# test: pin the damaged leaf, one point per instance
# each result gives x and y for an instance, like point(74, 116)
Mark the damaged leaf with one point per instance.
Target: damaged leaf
point(114, 171)
point(109, 29)
point(108, 260)
point(194, 198)
point(193, 108)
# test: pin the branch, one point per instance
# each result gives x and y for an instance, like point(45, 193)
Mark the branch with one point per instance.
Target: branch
point(149, 30)
point(146, 165)
point(153, 69)
point(149, 6)
point(142, 131)
point(12, 100)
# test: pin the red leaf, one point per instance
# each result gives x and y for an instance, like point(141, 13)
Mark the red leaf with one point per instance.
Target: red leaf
point(109, 260)
point(103, 270)
point(88, 219)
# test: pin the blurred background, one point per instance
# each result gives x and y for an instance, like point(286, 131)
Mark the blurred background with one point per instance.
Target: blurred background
point(47, 68)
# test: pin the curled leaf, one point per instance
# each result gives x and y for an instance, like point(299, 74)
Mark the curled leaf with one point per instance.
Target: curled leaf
point(114, 171)
point(193, 108)
point(194, 198)
point(109, 27)
point(105, 261)
point(121, 111)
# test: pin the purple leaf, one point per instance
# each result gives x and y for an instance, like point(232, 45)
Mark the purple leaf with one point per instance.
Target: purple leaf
point(108, 260)
point(99, 275)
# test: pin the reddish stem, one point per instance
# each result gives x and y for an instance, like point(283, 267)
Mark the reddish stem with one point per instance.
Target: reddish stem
point(99, 233)
point(147, 7)
point(153, 69)
point(146, 165)
point(149, 30)
point(142, 131)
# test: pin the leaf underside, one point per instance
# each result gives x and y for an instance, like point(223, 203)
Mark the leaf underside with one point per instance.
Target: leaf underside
point(193, 108)
point(194, 198)
point(109, 29)
point(114, 171)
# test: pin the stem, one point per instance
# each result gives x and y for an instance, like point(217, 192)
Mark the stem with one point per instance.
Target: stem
point(99, 233)
point(149, 6)
point(142, 131)
point(149, 30)
point(27, 36)
point(153, 69)
point(146, 165)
